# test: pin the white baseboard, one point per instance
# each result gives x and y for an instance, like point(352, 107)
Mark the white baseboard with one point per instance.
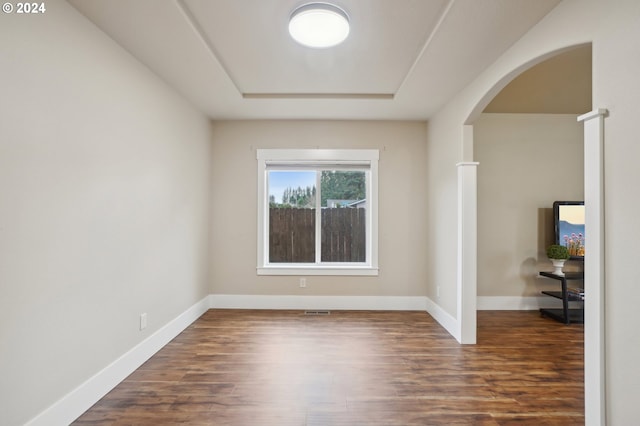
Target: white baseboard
point(372, 303)
point(445, 319)
point(516, 303)
point(76, 402)
point(356, 303)
point(368, 303)
point(72, 405)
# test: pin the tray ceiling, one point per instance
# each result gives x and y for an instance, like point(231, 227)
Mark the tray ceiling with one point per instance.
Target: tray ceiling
point(234, 59)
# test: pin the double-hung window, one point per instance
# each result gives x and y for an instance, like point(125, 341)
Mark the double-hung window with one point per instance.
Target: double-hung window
point(317, 212)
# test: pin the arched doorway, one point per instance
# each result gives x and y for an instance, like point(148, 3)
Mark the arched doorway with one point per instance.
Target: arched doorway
point(467, 294)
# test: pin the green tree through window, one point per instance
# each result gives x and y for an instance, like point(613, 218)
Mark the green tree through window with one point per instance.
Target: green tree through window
point(342, 185)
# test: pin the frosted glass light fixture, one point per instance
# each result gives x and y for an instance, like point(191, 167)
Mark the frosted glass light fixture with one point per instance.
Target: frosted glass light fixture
point(319, 25)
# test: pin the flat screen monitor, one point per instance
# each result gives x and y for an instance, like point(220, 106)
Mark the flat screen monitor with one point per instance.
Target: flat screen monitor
point(569, 226)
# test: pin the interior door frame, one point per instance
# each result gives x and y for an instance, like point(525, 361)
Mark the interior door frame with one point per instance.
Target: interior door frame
point(594, 263)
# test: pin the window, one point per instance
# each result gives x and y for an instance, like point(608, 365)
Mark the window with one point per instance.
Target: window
point(317, 212)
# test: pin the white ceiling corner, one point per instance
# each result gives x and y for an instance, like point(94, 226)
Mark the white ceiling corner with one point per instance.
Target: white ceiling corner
point(234, 59)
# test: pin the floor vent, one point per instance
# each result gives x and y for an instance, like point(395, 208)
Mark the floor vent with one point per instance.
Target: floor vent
point(317, 312)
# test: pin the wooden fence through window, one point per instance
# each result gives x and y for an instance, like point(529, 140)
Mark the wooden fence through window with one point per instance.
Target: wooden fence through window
point(292, 235)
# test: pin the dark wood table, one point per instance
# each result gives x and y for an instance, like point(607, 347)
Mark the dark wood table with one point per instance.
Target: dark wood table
point(565, 314)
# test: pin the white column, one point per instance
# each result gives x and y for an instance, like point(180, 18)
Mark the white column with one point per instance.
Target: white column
point(594, 276)
point(467, 251)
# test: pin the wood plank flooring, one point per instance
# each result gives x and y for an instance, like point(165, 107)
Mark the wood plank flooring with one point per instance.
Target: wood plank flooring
point(235, 367)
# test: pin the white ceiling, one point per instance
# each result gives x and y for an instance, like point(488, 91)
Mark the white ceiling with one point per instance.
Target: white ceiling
point(233, 59)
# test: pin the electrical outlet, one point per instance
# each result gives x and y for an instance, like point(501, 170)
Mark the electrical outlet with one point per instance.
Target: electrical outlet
point(303, 282)
point(143, 321)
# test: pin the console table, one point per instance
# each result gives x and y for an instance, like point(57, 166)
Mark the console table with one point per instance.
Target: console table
point(565, 314)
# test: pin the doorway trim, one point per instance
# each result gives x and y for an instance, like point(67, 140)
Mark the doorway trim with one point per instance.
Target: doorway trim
point(467, 273)
point(594, 268)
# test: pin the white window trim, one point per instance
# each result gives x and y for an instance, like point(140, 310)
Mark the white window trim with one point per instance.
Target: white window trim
point(367, 157)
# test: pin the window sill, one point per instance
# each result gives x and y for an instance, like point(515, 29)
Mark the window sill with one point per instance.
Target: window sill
point(315, 270)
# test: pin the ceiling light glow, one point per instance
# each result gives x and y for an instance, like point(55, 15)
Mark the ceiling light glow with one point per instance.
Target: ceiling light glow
point(319, 25)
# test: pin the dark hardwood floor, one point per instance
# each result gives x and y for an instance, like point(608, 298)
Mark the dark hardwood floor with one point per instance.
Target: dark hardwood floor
point(234, 367)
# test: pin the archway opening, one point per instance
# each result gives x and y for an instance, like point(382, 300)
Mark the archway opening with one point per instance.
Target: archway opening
point(531, 150)
point(492, 102)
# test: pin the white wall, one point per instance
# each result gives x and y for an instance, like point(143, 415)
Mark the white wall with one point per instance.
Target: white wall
point(443, 152)
point(617, 87)
point(104, 206)
point(528, 162)
point(613, 29)
point(402, 205)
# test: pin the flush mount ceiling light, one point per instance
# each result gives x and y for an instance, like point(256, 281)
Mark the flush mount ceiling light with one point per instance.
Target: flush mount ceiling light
point(319, 25)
